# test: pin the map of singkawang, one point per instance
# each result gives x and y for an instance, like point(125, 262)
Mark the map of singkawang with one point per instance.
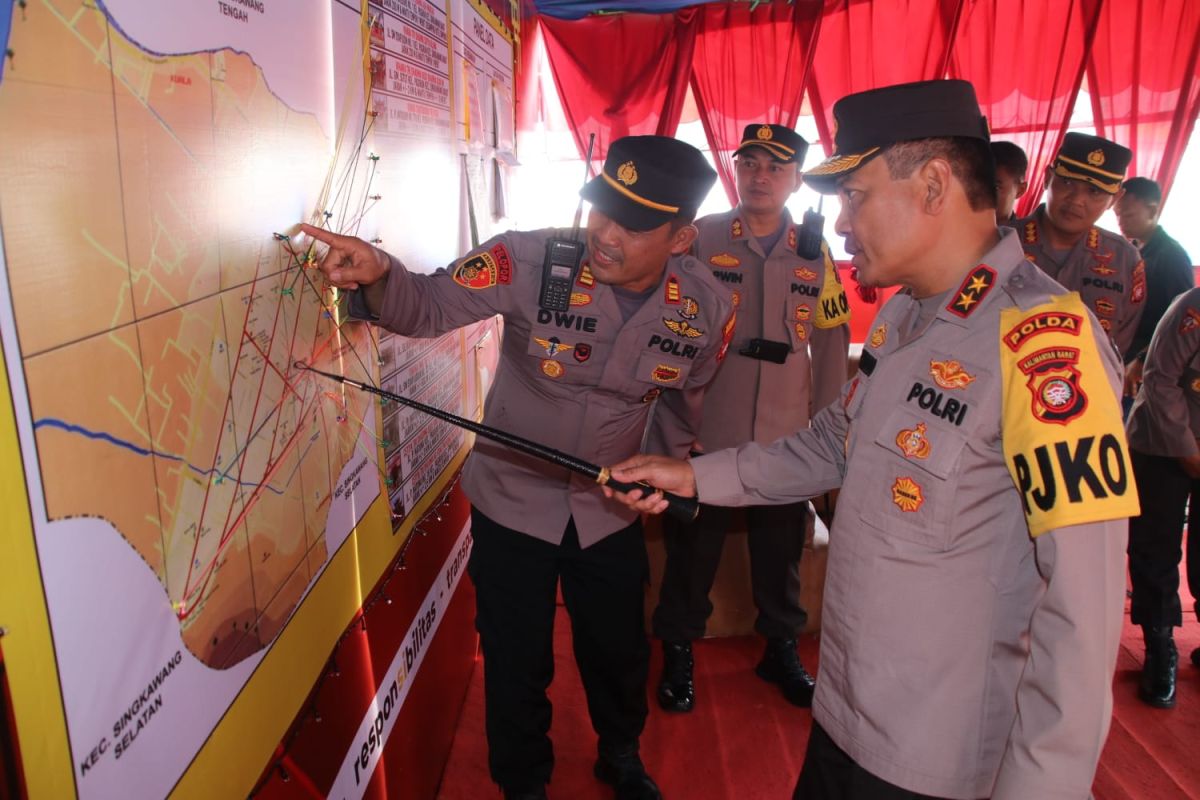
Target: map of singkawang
point(188, 485)
point(158, 325)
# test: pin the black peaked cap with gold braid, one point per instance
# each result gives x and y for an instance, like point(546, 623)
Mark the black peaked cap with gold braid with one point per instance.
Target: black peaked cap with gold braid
point(782, 143)
point(649, 180)
point(1089, 158)
point(867, 123)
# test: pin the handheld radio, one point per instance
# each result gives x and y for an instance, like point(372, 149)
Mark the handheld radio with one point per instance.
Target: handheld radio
point(560, 267)
point(808, 245)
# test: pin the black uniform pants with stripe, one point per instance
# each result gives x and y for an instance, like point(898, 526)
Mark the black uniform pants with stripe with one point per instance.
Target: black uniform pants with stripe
point(829, 773)
point(776, 542)
point(1156, 540)
point(603, 587)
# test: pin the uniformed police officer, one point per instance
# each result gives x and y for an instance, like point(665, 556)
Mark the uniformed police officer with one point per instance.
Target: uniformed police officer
point(644, 321)
point(1164, 426)
point(1061, 236)
point(976, 577)
point(786, 304)
point(1168, 267)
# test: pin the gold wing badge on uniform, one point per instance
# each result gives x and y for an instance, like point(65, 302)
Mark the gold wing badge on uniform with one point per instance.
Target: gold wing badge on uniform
point(682, 328)
point(553, 346)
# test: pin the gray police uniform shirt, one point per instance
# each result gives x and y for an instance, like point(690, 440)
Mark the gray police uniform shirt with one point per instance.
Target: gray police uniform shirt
point(581, 381)
point(1103, 267)
point(1165, 419)
point(976, 576)
point(778, 296)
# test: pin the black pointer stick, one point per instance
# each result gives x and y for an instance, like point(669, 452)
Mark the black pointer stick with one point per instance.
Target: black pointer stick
point(684, 508)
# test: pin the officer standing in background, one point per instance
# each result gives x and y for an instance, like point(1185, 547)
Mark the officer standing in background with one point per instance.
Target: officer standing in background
point(644, 321)
point(1164, 425)
point(976, 578)
point(1011, 166)
point(786, 304)
point(1168, 268)
point(1061, 236)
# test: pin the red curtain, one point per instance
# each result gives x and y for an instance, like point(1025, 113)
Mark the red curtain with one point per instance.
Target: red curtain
point(621, 75)
point(1026, 59)
point(1144, 82)
point(750, 65)
point(865, 44)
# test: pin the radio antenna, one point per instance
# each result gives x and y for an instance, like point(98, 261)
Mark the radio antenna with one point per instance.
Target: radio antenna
point(587, 171)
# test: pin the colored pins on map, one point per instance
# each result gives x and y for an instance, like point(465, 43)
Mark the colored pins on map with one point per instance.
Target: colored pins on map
point(281, 237)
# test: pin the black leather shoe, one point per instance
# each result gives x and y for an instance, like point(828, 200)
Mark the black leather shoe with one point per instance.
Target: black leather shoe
point(1157, 684)
point(781, 666)
point(525, 794)
point(623, 770)
point(676, 690)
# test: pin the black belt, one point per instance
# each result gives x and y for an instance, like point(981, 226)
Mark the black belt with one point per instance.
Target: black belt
point(766, 350)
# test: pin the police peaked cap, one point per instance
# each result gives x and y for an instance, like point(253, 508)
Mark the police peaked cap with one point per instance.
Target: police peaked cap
point(866, 123)
point(649, 180)
point(781, 142)
point(1089, 158)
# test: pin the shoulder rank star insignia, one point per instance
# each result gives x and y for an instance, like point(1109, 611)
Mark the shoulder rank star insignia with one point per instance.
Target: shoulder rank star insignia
point(974, 288)
point(682, 328)
point(735, 229)
point(1031, 232)
point(879, 336)
point(950, 374)
point(553, 346)
point(907, 495)
point(912, 442)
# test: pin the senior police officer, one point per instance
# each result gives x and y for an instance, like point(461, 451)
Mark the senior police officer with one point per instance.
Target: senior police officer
point(786, 304)
point(643, 320)
point(1164, 429)
point(976, 577)
point(1061, 236)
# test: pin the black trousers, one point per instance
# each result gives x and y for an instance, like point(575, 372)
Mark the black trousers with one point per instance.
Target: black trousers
point(1156, 539)
point(776, 542)
point(830, 774)
point(516, 578)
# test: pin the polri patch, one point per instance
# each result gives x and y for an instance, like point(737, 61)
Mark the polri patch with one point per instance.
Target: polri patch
point(477, 272)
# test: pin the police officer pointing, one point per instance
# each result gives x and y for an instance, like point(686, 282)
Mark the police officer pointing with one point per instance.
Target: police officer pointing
point(642, 321)
point(976, 576)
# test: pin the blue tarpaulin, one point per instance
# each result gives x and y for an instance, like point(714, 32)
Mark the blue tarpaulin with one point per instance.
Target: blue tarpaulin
point(5, 27)
point(574, 9)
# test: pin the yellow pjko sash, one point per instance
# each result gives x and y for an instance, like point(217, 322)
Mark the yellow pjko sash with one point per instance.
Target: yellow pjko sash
point(833, 308)
point(1064, 443)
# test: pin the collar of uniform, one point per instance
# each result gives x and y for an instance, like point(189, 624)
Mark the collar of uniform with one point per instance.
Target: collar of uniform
point(1001, 260)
